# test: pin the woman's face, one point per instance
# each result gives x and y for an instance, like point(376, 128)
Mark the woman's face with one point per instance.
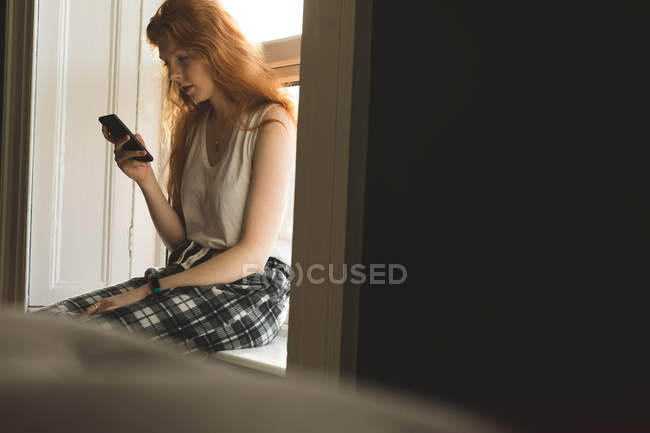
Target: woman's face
point(190, 75)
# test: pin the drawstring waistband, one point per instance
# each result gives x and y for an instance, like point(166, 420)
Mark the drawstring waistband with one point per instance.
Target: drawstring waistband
point(190, 253)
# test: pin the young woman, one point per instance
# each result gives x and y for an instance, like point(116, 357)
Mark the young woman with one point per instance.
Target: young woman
point(231, 182)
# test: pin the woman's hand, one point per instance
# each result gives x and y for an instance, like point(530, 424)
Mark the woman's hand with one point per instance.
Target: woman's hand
point(120, 300)
point(137, 170)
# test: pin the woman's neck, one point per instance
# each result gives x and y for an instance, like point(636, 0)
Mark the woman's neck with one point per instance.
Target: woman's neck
point(220, 107)
point(218, 118)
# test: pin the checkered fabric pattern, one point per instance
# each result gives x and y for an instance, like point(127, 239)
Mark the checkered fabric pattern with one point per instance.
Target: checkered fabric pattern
point(194, 319)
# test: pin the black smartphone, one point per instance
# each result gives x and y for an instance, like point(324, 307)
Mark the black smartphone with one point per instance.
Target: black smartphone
point(119, 130)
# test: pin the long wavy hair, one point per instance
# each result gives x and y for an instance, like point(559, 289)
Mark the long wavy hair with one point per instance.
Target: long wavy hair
point(210, 35)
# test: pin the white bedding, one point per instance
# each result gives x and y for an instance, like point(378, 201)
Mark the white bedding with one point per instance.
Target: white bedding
point(59, 375)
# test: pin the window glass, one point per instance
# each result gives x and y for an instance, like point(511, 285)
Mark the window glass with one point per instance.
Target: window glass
point(266, 20)
point(293, 92)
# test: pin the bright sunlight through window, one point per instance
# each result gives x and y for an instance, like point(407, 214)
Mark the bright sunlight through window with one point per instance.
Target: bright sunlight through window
point(266, 20)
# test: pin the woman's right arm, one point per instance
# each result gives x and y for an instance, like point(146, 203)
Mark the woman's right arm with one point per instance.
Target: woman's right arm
point(171, 228)
point(168, 221)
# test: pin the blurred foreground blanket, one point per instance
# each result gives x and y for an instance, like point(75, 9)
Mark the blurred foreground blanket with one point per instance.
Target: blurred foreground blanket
point(59, 375)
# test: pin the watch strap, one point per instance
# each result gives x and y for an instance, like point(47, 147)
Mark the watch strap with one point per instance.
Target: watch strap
point(154, 283)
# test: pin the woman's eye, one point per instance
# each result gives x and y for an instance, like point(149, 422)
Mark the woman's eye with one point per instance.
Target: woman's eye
point(180, 59)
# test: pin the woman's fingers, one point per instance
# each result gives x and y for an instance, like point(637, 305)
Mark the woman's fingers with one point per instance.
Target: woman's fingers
point(121, 142)
point(107, 135)
point(118, 142)
point(118, 151)
point(92, 309)
point(140, 139)
point(128, 155)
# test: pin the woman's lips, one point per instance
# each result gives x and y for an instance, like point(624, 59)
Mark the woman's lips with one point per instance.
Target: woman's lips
point(187, 88)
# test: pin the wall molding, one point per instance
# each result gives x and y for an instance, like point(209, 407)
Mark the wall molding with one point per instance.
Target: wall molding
point(59, 146)
point(16, 151)
point(113, 92)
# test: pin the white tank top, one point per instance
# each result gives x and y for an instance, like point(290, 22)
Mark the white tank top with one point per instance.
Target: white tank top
point(214, 198)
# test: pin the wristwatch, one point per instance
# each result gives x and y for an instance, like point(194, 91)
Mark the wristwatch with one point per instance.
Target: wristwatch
point(154, 283)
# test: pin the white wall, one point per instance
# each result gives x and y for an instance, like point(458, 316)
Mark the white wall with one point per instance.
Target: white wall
point(91, 60)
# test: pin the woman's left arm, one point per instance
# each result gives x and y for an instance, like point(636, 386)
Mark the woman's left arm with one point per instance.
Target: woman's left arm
point(274, 158)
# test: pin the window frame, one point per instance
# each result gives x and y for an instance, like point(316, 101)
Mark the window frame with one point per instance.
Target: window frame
point(283, 56)
point(330, 165)
point(334, 93)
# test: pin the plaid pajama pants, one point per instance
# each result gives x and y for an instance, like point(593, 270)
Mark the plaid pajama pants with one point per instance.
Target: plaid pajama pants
point(193, 319)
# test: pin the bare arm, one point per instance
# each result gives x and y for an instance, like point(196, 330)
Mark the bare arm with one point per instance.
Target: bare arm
point(273, 160)
point(167, 220)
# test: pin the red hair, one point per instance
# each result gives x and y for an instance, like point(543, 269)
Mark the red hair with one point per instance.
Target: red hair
point(210, 35)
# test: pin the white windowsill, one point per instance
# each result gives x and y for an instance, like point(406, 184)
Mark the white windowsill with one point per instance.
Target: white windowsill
point(271, 358)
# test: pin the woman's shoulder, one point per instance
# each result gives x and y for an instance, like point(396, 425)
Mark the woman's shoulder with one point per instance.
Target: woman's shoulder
point(276, 111)
point(273, 108)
